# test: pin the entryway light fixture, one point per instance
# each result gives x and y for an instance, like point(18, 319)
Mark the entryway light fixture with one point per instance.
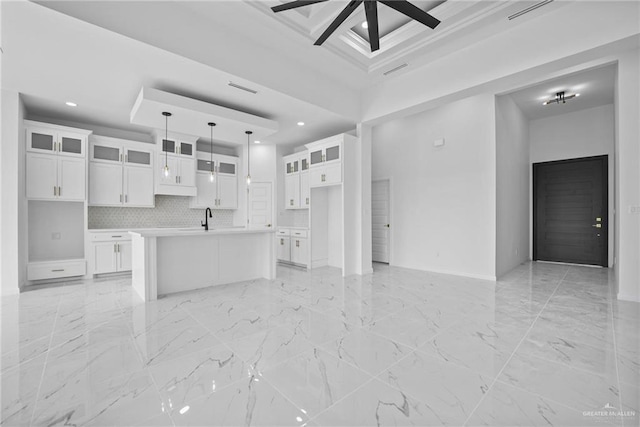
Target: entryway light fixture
point(71, 104)
point(212, 176)
point(560, 97)
point(248, 156)
point(164, 142)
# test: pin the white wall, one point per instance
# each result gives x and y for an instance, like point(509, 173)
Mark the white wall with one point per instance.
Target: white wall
point(583, 133)
point(627, 128)
point(443, 198)
point(12, 201)
point(512, 185)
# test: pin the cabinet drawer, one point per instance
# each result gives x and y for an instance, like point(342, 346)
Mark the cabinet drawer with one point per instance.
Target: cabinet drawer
point(299, 233)
point(110, 236)
point(284, 232)
point(56, 269)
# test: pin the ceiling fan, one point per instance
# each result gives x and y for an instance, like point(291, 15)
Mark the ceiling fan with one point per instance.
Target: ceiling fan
point(371, 11)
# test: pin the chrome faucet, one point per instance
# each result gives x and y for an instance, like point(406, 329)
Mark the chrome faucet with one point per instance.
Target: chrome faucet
point(206, 220)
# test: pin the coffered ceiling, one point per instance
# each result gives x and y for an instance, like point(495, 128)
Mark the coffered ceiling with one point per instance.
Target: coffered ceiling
point(401, 39)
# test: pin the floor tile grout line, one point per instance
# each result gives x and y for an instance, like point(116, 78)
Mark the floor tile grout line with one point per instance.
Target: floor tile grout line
point(615, 353)
point(515, 350)
point(44, 366)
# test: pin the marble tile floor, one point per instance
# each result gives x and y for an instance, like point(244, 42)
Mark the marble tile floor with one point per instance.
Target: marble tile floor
point(546, 345)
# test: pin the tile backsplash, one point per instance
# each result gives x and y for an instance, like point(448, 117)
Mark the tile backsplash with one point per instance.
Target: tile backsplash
point(170, 211)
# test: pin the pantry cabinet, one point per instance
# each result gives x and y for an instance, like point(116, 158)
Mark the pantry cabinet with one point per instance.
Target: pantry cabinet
point(55, 162)
point(296, 181)
point(222, 191)
point(121, 173)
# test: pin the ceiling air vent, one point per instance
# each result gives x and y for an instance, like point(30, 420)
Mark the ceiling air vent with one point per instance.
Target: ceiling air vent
point(246, 89)
point(393, 70)
point(529, 9)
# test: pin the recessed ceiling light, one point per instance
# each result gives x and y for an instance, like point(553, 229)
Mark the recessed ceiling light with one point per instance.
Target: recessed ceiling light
point(300, 123)
point(71, 104)
point(577, 94)
point(365, 24)
point(256, 142)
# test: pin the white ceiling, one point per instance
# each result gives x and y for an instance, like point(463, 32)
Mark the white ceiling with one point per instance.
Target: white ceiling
point(595, 86)
point(51, 58)
point(99, 54)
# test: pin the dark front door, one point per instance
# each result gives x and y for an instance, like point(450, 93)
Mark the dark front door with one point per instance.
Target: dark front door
point(570, 211)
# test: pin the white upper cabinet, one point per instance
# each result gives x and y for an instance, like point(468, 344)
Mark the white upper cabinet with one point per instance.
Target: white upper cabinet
point(326, 161)
point(56, 139)
point(55, 162)
point(296, 181)
point(120, 173)
point(222, 192)
point(179, 154)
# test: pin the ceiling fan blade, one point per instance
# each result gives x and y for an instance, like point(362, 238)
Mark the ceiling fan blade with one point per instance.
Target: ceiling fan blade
point(412, 12)
point(371, 10)
point(295, 4)
point(348, 10)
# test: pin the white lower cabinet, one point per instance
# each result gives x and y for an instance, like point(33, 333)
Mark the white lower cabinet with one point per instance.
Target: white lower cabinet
point(44, 270)
point(111, 252)
point(284, 248)
point(299, 250)
point(293, 246)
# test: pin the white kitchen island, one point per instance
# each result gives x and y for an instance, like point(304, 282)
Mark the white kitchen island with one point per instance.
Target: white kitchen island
point(175, 260)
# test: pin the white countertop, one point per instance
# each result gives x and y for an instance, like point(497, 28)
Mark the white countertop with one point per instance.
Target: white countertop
point(199, 231)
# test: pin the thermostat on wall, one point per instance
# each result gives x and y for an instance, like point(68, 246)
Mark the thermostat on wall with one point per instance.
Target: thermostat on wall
point(438, 142)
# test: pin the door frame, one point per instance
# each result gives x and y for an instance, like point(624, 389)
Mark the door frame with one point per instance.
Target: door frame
point(390, 180)
point(604, 159)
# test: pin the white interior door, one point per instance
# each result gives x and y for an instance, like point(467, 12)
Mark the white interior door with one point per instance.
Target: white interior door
point(260, 205)
point(380, 220)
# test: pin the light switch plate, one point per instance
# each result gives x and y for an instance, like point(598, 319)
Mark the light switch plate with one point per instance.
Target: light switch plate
point(438, 142)
point(634, 209)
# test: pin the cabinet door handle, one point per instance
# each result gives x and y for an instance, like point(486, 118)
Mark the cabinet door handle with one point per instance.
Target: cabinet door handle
point(126, 158)
point(297, 243)
point(59, 191)
point(307, 200)
point(323, 158)
point(176, 179)
point(120, 157)
point(57, 270)
point(121, 198)
point(115, 247)
point(126, 198)
point(282, 241)
point(55, 190)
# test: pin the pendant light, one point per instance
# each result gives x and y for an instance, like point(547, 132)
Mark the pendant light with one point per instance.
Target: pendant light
point(248, 157)
point(164, 142)
point(212, 177)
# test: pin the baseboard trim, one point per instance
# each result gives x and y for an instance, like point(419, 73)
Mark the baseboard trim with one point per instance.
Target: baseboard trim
point(451, 273)
point(627, 297)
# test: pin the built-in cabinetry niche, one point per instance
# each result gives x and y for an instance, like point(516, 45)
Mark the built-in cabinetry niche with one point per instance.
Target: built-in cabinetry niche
point(327, 228)
point(56, 183)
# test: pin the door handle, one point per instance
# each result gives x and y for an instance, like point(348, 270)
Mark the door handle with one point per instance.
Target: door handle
point(387, 225)
point(269, 225)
